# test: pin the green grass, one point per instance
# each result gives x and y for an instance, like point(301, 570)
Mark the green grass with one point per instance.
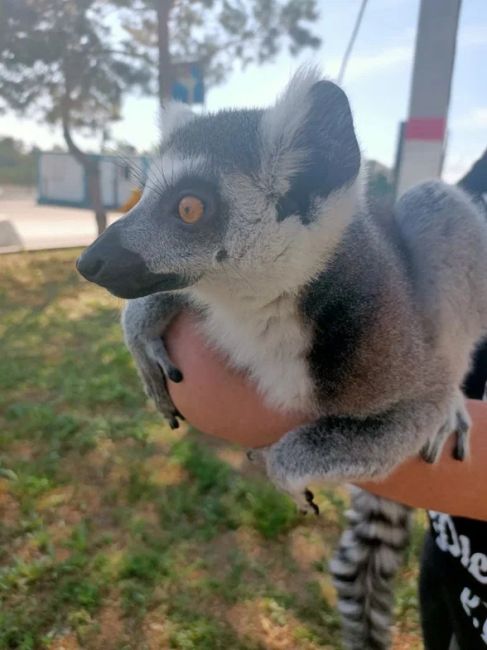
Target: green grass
point(117, 533)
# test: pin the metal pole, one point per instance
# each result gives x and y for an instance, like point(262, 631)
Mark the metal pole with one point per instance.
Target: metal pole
point(163, 8)
point(423, 143)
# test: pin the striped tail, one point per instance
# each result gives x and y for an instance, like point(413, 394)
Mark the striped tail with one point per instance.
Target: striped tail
point(370, 552)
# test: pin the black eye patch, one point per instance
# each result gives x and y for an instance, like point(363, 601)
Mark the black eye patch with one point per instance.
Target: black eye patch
point(294, 202)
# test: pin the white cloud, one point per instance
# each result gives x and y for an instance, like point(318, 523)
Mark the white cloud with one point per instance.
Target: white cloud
point(476, 118)
point(361, 65)
point(453, 170)
point(472, 35)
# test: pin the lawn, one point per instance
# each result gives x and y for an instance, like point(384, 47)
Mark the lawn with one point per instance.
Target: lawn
point(118, 533)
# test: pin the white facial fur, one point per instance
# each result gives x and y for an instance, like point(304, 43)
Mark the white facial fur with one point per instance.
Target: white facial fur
point(279, 129)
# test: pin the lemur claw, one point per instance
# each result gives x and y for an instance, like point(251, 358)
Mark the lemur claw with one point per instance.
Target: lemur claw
point(158, 353)
point(310, 498)
point(459, 424)
point(460, 450)
point(156, 369)
point(304, 499)
point(175, 374)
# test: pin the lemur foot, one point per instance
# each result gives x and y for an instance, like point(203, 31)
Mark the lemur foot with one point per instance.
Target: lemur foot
point(302, 496)
point(155, 369)
point(459, 424)
point(157, 352)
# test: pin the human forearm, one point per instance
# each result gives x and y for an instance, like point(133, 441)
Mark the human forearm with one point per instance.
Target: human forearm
point(222, 402)
point(459, 488)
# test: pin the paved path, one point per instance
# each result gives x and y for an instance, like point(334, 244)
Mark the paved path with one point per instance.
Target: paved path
point(24, 225)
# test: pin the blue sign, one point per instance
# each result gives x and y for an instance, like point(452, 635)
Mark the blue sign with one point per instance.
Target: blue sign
point(188, 86)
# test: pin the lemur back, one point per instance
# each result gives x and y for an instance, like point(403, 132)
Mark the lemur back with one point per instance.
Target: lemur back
point(256, 219)
point(446, 237)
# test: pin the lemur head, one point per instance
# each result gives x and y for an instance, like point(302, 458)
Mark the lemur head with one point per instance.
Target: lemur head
point(237, 195)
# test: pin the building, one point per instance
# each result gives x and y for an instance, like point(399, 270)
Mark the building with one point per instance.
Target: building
point(61, 180)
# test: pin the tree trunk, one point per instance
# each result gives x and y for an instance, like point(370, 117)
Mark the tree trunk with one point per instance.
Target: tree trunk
point(91, 169)
point(164, 59)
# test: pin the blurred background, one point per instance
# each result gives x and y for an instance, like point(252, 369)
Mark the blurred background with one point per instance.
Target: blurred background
point(85, 78)
point(114, 531)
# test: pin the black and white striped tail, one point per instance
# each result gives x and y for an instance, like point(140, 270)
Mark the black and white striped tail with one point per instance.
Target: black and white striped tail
point(370, 552)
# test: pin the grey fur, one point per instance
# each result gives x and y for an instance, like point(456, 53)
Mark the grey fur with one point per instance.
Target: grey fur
point(368, 332)
point(142, 325)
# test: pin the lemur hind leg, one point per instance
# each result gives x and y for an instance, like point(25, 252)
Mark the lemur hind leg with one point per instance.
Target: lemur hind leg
point(458, 422)
point(144, 321)
point(302, 497)
point(347, 448)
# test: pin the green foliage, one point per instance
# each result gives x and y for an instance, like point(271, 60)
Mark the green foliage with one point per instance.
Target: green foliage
point(59, 54)
point(147, 566)
point(80, 593)
point(81, 56)
point(63, 62)
point(269, 511)
point(219, 33)
point(17, 165)
point(209, 473)
point(200, 633)
point(223, 497)
point(380, 188)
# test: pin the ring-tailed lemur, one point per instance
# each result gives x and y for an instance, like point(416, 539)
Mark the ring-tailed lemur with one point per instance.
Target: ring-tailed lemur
point(256, 219)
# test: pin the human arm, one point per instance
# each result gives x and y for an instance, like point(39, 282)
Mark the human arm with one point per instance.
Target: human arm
point(458, 488)
point(222, 402)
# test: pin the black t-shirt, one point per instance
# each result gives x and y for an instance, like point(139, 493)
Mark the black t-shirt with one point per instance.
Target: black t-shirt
point(461, 556)
point(460, 550)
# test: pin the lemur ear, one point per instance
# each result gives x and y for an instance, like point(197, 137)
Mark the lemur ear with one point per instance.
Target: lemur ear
point(329, 136)
point(173, 116)
point(309, 140)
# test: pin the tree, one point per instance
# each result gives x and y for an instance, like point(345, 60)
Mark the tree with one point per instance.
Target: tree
point(380, 189)
point(70, 61)
point(217, 33)
point(61, 62)
point(17, 164)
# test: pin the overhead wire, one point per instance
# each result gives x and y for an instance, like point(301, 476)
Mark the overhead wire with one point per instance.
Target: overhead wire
point(351, 42)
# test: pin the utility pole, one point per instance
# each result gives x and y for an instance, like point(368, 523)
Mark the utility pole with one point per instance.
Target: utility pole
point(422, 151)
point(163, 8)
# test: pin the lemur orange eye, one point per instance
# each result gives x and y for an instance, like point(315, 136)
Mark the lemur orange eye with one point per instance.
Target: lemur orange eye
point(191, 209)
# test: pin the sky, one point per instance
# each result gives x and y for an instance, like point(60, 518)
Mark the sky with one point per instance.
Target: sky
point(377, 82)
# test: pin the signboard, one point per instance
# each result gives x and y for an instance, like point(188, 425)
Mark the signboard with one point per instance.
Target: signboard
point(188, 86)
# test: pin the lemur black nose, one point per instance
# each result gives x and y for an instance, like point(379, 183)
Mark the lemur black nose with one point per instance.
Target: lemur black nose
point(107, 261)
point(89, 266)
point(124, 272)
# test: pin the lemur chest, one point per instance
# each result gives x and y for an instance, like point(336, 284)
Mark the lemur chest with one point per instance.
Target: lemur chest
point(270, 343)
